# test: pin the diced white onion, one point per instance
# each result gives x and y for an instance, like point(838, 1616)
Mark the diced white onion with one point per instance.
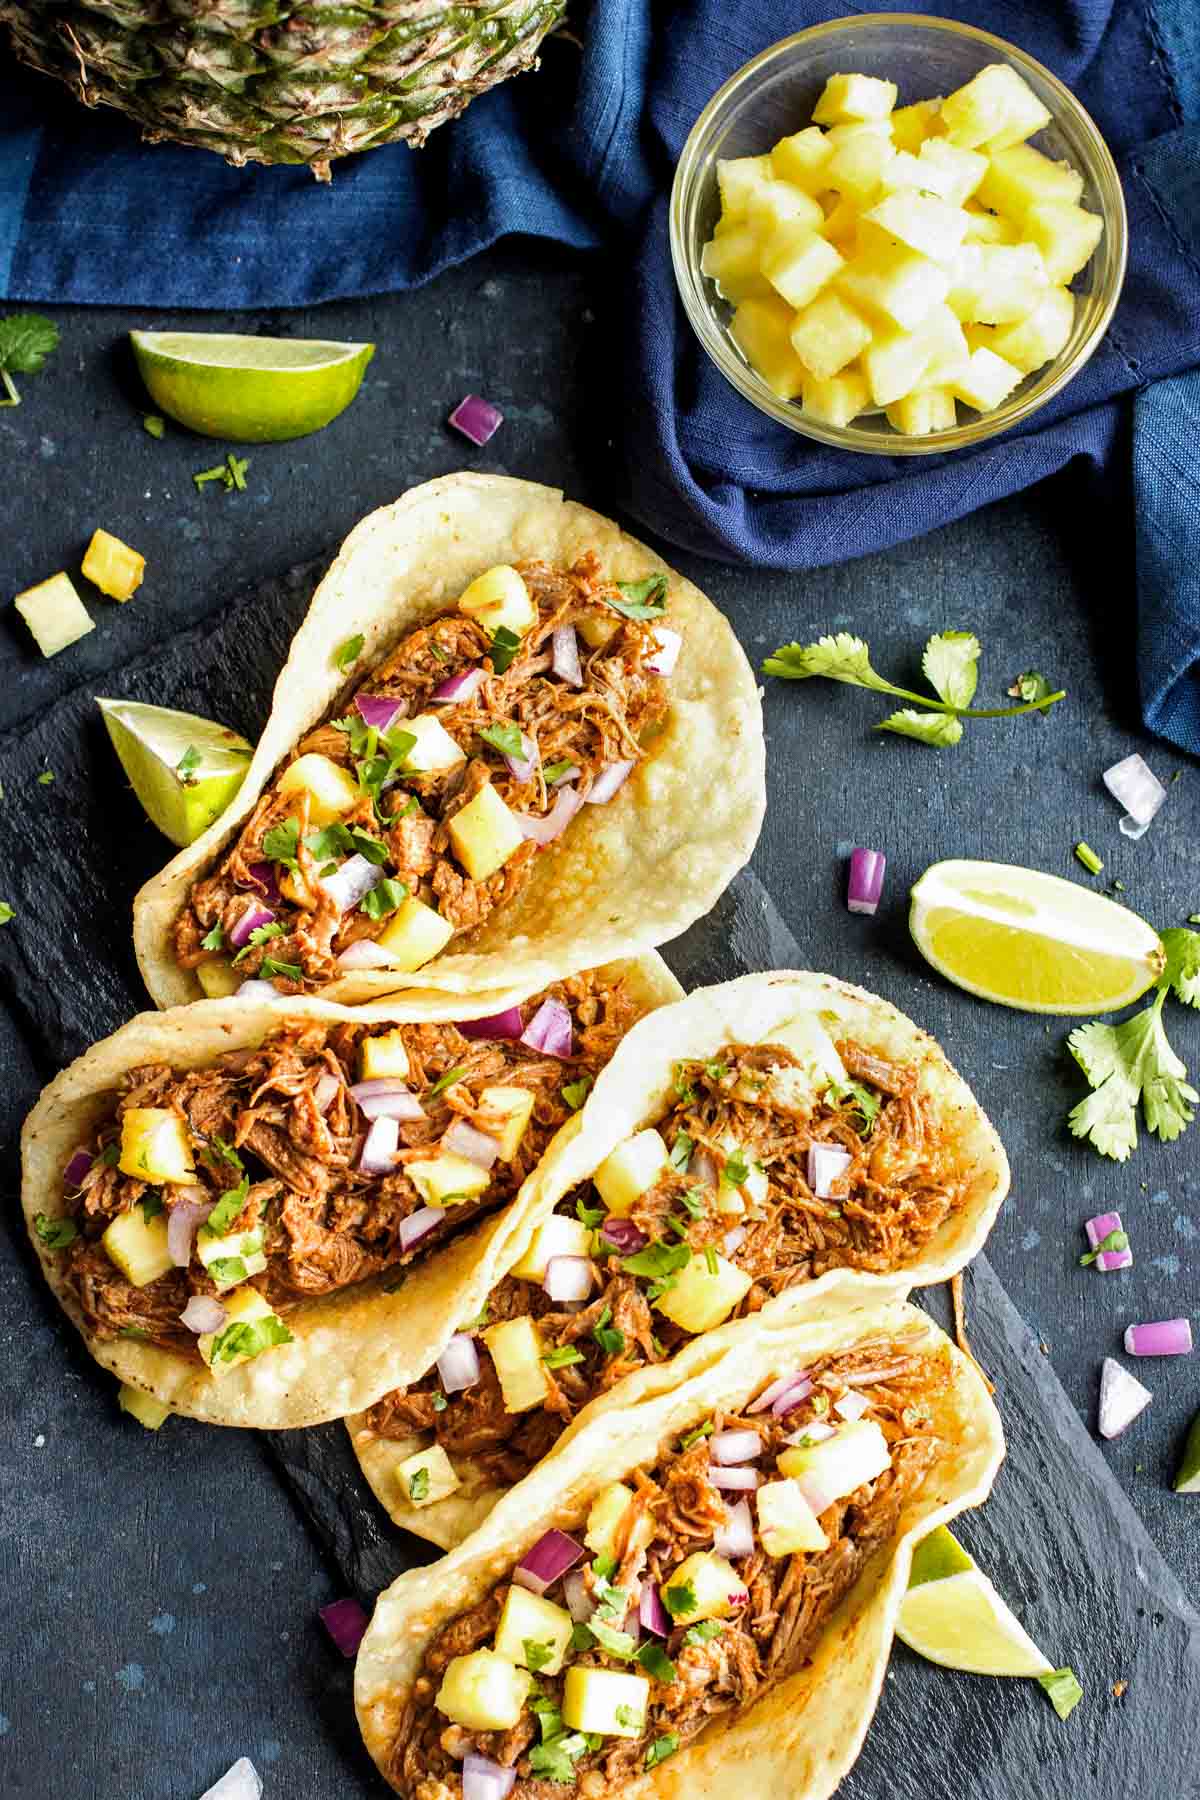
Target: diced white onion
point(667, 655)
point(734, 1480)
point(203, 1314)
point(580, 1604)
point(483, 1779)
point(851, 1406)
point(458, 1365)
point(239, 1783)
point(379, 1148)
point(816, 1432)
point(826, 1164)
point(364, 954)
point(1135, 786)
point(609, 782)
point(733, 1240)
point(568, 1278)
point(258, 990)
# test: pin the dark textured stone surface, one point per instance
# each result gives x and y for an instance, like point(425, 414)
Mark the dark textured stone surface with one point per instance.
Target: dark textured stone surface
point(109, 1532)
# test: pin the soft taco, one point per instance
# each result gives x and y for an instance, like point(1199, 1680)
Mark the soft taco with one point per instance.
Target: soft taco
point(547, 752)
point(695, 1593)
point(747, 1152)
point(262, 1213)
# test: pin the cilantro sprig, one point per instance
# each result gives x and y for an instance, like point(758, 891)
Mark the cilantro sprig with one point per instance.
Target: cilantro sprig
point(950, 667)
point(26, 340)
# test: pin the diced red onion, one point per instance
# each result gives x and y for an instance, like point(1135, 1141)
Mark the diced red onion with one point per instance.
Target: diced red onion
point(351, 883)
point(456, 688)
point(791, 1397)
point(1129, 827)
point(251, 920)
point(379, 710)
point(816, 1432)
point(476, 418)
point(1159, 1337)
point(552, 1555)
point(565, 655)
point(734, 1480)
point(1135, 786)
point(383, 1099)
point(346, 1623)
point(202, 1314)
point(568, 1278)
point(483, 1779)
point(254, 989)
point(609, 782)
point(325, 1092)
point(544, 828)
point(851, 1406)
point(770, 1394)
point(579, 1601)
point(826, 1164)
point(1122, 1398)
point(1102, 1226)
point(476, 1146)
point(703, 1168)
point(183, 1216)
point(418, 1224)
point(458, 1365)
point(667, 655)
point(734, 1446)
point(652, 1613)
point(81, 1161)
point(507, 1024)
point(819, 1491)
point(549, 1031)
point(734, 1239)
point(263, 875)
point(364, 954)
point(570, 773)
point(239, 1783)
point(736, 1536)
point(866, 880)
point(379, 1147)
point(521, 767)
point(624, 1235)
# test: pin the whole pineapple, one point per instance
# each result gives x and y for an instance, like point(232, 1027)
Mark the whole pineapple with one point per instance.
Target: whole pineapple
point(296, 81)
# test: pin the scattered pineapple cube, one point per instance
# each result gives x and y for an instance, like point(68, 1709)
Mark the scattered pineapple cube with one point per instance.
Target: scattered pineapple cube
point(435, 750)
point(1065, 234)
point(604, 1515)
point(54, 614)
point(1012, 280)
point(384, 1057)
point(733, 260)
point(114, 568)
point(447, 1179)
point(929, 409)
point(894, 363)
point(798, 263)
point(801, 158)
point(427, 1476)
point(1033, 341)
point(498, 598)
point(414, 934)
point(716, 1586)
point(703, 1298)
point(142, 1406)
point(949, 170)
point(986, 380)
point(484, 834)
point(911, 125)
point(528, 1619)
point(230, 1259)
point(155, 1145)
point(841, 224)
point(1021, 177)
point(837, 401)
point(516, 1349)
point(857, 164)
point(786, 1522)
point(504, 1113)
point(922, 221)
point(251, 1326)
point(138, 1246)
point(828, 334)
point(989, 228)
point(559, 1235)
point(761, 329)
point(738, 179)
point(629, 1170)
point(483, 1691)
point(605, 1701)
point(896, 282)
point(849, 97)
point(997, 108)
point(332, 791)
point(219, 978)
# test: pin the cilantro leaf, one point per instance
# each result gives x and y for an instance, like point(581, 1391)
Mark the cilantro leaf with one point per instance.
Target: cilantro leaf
point(654, 1659)
point(503, 649)
point(227, 1270)
point(440, 1402)
point(56, 1234)
point(286, 971)
point(661, 1748)
point(6, 912)
point(679, 1599)
point(839, 658)
point(867, 1104)
point(447, 1080)
point(554, 1759)
point(505, 738)
point(659, 1264)
point(1030, 686)
point(536, 1653)
point(616, 1643)
point(227, 1209)
point(627, 1717)
point(246, 1338)
point(681, 1152)
point(588, 1215)
point(1124, 1063)
point(262, 934)
point(281, 843)
point(610, 1339)
point(950, 666)
point(384, 898)
point(737, 1170)
point(26, 340)
point(939, 729)
point(640, 599)
point(214, 939)
point(46, 778)
point(349, 652)
point(562, 1357)
point(556, 770)
point(151, 1204)
point(1182, 973)
point(575, 1093)
point(418, 1485)
point(702, 1630)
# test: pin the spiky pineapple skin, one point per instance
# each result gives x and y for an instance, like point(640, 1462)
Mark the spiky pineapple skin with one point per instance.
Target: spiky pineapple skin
point(281, 81)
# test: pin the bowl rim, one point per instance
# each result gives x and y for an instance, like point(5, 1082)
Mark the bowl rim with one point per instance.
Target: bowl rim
point(715, 340)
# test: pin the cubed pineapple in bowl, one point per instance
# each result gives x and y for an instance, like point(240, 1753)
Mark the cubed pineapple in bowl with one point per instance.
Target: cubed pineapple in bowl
point(845, 98)
point(997, 108)
point(1021, 177)
point(733, 259)
point(857, 165)
point(798, 263)
point(828, 334)
point(922, 221)
point(801, 158)
point(911, 125)
point(926, 410)
point(780, 204)
point(894, 363)
point(762, 331)
point(837, 401)
point(739, 179)
point(986, 380)
point(1041, 335)
point(894, 283)
point(1065, 234)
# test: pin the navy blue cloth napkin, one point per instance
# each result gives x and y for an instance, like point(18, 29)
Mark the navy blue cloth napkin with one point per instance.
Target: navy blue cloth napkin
point(583, 153)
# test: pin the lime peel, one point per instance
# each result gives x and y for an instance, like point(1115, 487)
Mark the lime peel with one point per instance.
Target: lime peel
point(250, 389)
point(184, 769)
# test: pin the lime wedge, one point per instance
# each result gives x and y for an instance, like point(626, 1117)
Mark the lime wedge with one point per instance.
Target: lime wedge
point(254, 390)
point(1187, 1481)
point(952, 1615)
point(185, 770)
point(1030, 940)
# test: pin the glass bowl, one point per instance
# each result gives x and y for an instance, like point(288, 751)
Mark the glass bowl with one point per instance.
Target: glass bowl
point(774, 95)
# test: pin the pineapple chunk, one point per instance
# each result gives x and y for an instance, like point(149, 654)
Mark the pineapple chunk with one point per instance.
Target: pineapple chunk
point(716, 1589)
point(384, 1057)
point(485, 834)
point(219, 978)
point(528, 1619)
point(483, 1691)
point(738, 180)
point(922, 221)
point(516, 1349)
point(447, 1179)
point(1037, 339)
point(780, 203)
point(981, 337)
point(230, 1259)
point(505, 1113)
point(1011, 282)
point(629, 1170)
point(251, 1326)
point(138, 1246)
point(841, 224)
point(986, 380)
point(798, 263)
point(801, 158)
point(947, 342)
point(966, 277)
point(829, 334)
point(894, 363)
point(114, 568)
point(1066, 235)
point(733, 261)
point(760, 329)
point(414, 934)
point(997, 108)
point(849, 97)
point(1021, 177)
point(857, 164)
point(435, 750)
point(809, 1042)
point(498, 598)
point(331, 790)
point(605, 1701)
point(989, 228)
point(702, 1299)
point(559, 1235)
point(856, 1453)
point(949, 170)
point(929, 409)
point(595, 629)
point(141, 1406)
point(837, 401)
point(786, 1522)
point(427, 1476)
point(896, 282)
point(911, 125)
point(54, 614)
point(605, 1514)
point(155, 1145)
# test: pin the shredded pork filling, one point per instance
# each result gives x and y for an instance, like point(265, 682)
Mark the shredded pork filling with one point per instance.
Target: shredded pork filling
point(675, 1512)
point(603, 721)
point(255, 1115)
